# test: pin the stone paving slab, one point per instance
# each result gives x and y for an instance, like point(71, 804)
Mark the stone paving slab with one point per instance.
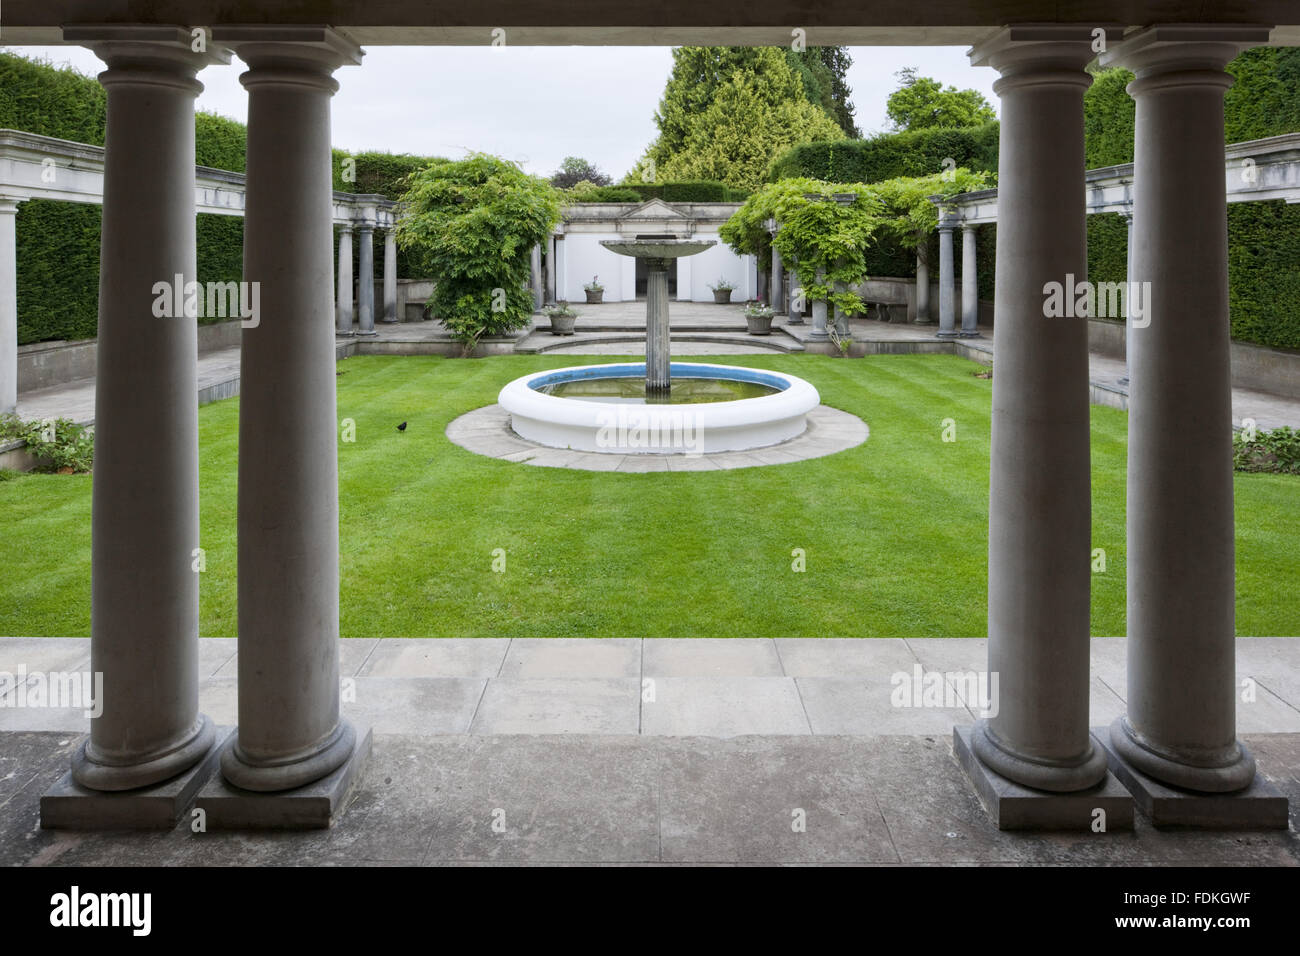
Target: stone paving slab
point(486, 431)
point(620, 799)
point(595, 685)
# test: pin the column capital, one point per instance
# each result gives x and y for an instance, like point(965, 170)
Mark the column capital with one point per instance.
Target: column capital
point(147, 53)
point(1182, 48)
point(300, 55)
point(1042, 52)
point(9, 205)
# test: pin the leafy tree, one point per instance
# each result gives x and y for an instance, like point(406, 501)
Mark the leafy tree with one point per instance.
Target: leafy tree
point(824, 71)
point(475, 222)
point(923, 103)
point(576, 170)
point(726, 115)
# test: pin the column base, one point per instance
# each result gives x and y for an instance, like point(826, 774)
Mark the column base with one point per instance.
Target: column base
point(1012, 806)
point(314, 806)
point(344, 335)
point(919, 321)
point(291, 774)
point(93, 775)
point(1257, 806)
point(367, 332)
point(794, 320)
point(1051, 776)
point(941, 334)
point(69, 806)
point(970, 335)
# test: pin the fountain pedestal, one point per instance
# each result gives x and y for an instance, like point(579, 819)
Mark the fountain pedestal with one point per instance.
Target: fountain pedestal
point(658, 253)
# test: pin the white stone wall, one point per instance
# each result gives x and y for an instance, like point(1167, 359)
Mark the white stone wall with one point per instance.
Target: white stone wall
point(583, 256)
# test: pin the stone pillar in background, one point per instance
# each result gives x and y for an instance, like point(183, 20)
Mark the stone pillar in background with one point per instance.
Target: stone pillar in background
point(1180, 728)
point(550, 271)
point(145, 498)
point(779, 300)
point(922, 286)
point(8, 305)
point(1040, 494)
point(366, 280)
point(970, 287)
point(535, 276)
point(345, 290)
point(819, 309)
point(390, 275)
point(290, 732)
point(947, 279)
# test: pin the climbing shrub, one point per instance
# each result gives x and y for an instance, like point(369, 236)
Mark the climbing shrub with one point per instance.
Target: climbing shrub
point(476, 221)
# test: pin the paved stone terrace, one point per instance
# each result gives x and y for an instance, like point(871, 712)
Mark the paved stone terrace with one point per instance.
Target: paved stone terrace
point(556, 734)
point(619, 329)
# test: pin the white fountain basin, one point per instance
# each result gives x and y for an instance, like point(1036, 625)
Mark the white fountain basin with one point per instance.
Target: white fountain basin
point(618, 428)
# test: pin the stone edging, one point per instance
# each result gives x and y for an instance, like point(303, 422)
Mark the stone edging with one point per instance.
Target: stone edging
point(486, 431)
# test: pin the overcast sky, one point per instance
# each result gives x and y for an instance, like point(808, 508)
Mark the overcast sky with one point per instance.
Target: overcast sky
point(534, 105)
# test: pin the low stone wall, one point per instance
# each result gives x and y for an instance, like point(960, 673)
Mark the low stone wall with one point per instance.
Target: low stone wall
point(1253, 366)
point(45, 364)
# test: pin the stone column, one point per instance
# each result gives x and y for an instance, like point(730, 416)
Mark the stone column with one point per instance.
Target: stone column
point(657, 357)
point(779, 301)
point(922, 286)
point(366, 280)
point(947, 281)
point(818, 332)
point(793, 288)
point(550, 271)
point(8, 305)
point(290, 732)
point(1180, 728)
point(1039, 502)
point(345, 280)
point(535, 276)
point(145, 499)
point(970, 292)
point(390, 276)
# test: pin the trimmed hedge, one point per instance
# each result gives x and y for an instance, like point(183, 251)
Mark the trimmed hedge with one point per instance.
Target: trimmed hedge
point(700, 190)
point(889, 155)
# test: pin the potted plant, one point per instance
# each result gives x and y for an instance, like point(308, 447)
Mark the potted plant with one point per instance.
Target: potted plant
point(722, 291)
point(758, 318)
point(595, 291)
point(562, 318)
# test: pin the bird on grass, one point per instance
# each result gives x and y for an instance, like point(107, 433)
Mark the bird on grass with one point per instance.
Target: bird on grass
point(402, 427)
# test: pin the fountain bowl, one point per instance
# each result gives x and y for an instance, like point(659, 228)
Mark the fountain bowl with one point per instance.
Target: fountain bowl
point(617, 427)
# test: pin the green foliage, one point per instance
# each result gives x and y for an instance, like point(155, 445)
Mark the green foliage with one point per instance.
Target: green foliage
point(58, 271)
point(377, 173)
point(1263, 282)
point(691, 191)
point(56, 444)
point(475, 222)
point(590, 192)
point(889, 155)
point(1275, 451)
point(819, 234)
point(1108, 113)
point(220, 142)
point(823, 71)
point(1265, 99)
point(576, 170)
point(1263, 273)
point(38, 97)
point(923, 103)
point(728, 111)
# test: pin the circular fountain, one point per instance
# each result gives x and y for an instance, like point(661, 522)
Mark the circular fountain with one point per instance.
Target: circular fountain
point(658, 406)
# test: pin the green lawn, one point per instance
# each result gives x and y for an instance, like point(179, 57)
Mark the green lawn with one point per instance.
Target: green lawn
point(894, 531)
